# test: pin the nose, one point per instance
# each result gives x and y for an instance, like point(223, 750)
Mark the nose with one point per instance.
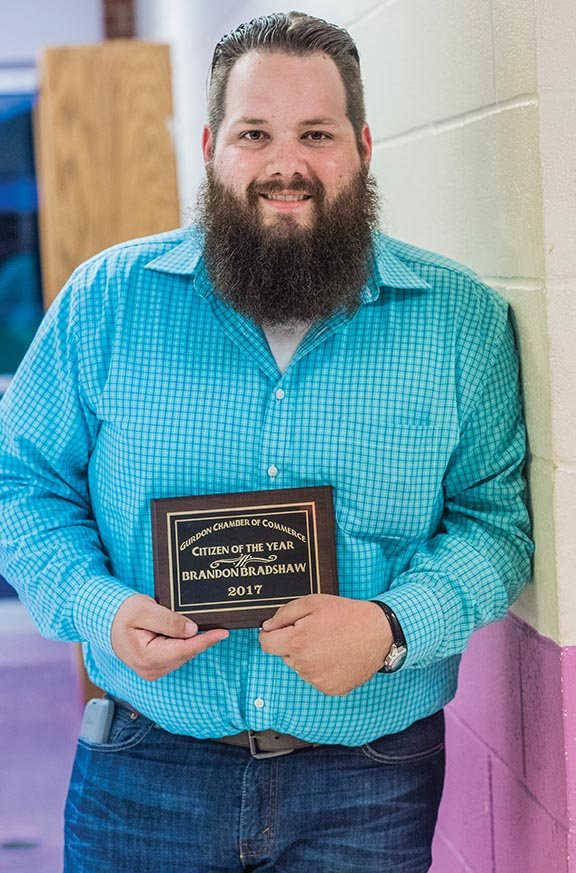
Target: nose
point(285, 159)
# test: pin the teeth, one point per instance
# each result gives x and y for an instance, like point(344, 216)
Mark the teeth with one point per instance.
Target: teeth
point(287, 197)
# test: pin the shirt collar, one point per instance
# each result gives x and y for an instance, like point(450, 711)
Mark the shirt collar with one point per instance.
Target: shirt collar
point(388, 271)
point(182, 259)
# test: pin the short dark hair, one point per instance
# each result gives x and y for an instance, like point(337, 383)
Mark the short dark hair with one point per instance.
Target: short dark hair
point(291, 33)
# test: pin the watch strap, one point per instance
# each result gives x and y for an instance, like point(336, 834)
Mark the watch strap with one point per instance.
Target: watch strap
point(398, 638)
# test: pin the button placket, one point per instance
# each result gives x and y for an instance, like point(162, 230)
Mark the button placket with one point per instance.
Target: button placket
point(274, 433)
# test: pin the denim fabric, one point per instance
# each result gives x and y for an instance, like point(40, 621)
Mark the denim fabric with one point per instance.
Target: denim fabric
point(155, 802)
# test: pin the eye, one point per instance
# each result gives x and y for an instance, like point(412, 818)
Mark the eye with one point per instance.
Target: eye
point(317, 136)
point(253, 135)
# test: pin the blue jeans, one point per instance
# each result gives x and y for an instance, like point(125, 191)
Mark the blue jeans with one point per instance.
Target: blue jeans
point(150, 801)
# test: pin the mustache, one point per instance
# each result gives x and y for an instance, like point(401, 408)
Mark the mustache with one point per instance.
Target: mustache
point(274, 186)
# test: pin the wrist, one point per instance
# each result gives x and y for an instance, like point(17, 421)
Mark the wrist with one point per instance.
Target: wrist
point(398, 649)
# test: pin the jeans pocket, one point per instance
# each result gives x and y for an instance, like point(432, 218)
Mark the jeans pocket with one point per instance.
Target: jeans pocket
point(421, 740)
point(127, 730)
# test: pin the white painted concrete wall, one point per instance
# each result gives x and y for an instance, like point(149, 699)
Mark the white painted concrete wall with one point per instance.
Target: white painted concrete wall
point(473, 109)
point(556, 68)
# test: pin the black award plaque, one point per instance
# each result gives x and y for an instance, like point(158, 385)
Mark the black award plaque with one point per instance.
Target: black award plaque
point(230, 560)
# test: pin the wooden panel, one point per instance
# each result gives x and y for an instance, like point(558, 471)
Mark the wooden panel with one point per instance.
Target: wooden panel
point(106, 164)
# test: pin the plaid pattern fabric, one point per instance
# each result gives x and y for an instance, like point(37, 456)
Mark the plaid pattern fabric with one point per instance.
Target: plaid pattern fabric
point(142, 383)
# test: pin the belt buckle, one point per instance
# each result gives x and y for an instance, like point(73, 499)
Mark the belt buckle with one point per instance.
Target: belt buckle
point(253, 742)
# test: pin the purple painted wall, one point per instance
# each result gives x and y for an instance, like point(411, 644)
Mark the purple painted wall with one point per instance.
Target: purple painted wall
point(510, 800)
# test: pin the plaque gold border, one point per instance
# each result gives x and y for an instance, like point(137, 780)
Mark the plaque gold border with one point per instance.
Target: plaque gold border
point(317, 503)
point(309, 510)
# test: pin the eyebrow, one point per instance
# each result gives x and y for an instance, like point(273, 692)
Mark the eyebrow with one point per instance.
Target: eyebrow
point(246, 120)
point(308, 122)
point(326, 122)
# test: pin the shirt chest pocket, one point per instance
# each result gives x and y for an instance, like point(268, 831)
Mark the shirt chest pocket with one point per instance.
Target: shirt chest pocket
point(389, 480)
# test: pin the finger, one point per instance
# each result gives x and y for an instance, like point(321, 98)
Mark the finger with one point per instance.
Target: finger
point(290, 613)
point(208, 639)
point(164, 651)
point(278, 642)
point(156, 656)
point(160, 620)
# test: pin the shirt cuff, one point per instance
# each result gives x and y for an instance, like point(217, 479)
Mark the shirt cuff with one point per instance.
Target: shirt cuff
point(96, 604)
point(421, 619)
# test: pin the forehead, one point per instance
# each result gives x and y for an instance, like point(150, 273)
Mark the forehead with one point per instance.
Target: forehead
point(266, 84)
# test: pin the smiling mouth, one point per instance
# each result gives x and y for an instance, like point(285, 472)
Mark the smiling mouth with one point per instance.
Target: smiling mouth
point(287, 198)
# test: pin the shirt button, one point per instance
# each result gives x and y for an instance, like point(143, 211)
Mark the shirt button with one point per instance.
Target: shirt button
point(272, 471)
point(279, 394)
point(259, 703)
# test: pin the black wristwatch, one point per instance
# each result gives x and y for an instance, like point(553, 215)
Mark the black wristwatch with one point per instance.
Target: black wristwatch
point(398, 650)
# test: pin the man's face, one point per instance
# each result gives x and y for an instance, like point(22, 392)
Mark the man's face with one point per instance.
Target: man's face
point(285, 140)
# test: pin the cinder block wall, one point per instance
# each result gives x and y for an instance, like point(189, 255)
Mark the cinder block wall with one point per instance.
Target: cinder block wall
point(473, 109)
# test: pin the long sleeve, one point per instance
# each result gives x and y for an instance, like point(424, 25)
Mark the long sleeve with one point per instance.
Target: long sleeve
point(143, 383)
point(50, 549)
point(473, 569)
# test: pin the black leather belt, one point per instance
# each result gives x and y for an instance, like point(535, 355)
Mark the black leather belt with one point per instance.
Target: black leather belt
point(260, 744)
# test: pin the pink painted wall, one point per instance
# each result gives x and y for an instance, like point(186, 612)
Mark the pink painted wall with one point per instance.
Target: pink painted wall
point(509, 804)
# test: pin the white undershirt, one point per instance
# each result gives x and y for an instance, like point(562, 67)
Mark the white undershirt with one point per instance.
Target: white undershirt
point(284, 341)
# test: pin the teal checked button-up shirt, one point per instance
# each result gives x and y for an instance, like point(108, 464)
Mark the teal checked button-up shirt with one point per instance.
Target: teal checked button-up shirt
point(143, 383)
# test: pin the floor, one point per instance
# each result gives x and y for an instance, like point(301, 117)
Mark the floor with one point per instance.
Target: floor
point(40, 710)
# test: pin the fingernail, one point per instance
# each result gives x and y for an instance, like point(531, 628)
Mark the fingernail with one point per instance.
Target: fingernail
point(266, 624)
point(190, 628)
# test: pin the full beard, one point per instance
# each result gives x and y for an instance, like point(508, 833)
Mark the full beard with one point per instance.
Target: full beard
point(283, 274)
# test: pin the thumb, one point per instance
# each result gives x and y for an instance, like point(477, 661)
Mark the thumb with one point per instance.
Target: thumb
point(161, 620)
point(289, 613)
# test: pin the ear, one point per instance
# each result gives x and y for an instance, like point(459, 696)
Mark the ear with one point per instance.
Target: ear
point(207, 144)
point(366, 145)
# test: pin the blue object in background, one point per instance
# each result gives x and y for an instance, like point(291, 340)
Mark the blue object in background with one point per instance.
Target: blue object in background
point(20, 280)
point(5, 589)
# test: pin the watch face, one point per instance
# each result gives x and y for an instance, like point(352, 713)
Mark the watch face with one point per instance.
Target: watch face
point(395, 659)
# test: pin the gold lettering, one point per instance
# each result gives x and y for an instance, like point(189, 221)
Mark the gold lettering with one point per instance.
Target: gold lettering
point(198, 551)
point(197, 536)
point(233, 522)
point(283, 528)
point(201, 575)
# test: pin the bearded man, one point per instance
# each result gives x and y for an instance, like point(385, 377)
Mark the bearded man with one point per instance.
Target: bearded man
point(282, 342)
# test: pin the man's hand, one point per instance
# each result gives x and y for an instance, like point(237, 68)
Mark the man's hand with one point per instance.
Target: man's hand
point(334, 643)
point(153, 640)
